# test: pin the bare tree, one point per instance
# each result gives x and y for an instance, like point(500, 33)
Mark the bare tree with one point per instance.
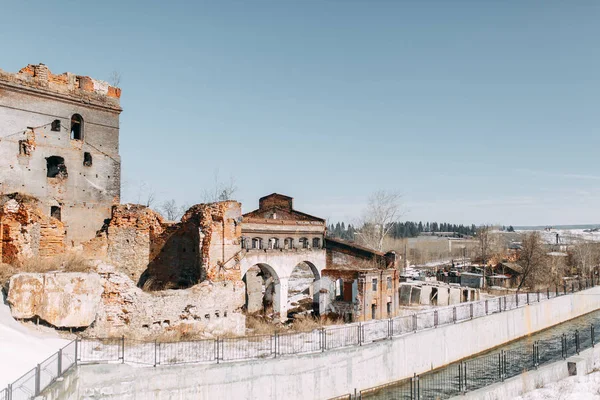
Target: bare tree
point(532, 259)
point(383, 209)
point(114, 78)
point(586, 256)
point(146, 195)
point(221, 191)
point(170, 210)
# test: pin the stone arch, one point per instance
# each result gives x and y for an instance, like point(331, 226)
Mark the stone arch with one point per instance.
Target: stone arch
point(263, 289)
point(304, 289)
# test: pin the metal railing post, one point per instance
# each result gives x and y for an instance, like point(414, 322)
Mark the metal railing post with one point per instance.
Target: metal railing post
point(275, 343)
point(471, 310)
point(155, 353)
point(59, 366)
point(454, 314)
point(592, 329)
point(563, 346)
point(359, 334)
point(435, 319)
point(547, 292)
point(527, 298)
point(76, 350)
point(37, 379)
point(415, 326)
point(9, 391)
point(517, 297)
point(565, 287)
point(538, 295)
point(577, 341)
point(123, 349)
point(217, 350)
point(486, 307)
point(460, 377)
point(323, 336)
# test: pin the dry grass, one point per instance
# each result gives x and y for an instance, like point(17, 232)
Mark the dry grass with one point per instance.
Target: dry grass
point(260, 325)
point(71, 262)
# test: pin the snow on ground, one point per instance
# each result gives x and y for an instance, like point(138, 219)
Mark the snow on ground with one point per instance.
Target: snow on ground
point(22, 347)
point(586, 387)
point(568, 236)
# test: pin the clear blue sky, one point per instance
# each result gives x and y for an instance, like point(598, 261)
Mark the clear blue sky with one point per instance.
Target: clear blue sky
point(477, 111)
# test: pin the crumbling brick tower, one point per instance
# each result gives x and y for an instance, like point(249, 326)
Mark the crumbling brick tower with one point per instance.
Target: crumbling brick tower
point(59, 142)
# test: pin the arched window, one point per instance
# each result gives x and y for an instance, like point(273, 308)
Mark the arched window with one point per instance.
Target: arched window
point(304, 242)
point(316, 243)
point(257, 243)
point(76, 127)
point(288, 243)
point(273, 243)
point(245, 243)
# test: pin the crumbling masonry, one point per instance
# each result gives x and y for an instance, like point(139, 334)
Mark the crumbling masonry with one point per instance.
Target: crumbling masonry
point(59, 143)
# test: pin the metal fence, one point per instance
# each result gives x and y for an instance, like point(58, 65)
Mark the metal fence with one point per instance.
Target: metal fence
point(478, 372)
point(322, 339)
point(219, 350)
point(43, 375)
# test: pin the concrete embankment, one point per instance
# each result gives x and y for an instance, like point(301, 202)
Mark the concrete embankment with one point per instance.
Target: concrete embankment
point(331, 373)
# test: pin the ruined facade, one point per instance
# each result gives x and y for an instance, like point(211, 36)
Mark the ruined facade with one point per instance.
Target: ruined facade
point(59, 143)
point(361, 284)
point(26, 231)
point(276, 241)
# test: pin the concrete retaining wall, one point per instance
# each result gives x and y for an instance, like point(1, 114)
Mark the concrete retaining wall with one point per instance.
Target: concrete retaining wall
point(331, 373)
point(586, 362)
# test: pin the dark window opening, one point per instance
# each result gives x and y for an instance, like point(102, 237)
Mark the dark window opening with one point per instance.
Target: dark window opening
point(389, 282)
point(289, 243)
point(316, 243)
point(374, 285)
point(25, 147)
point(76, 127)
point(87, 159)
point(55, 212)
point(373, 311)
point(304, 242)
point(56, 167)
point(55, 125)
point(389, 309)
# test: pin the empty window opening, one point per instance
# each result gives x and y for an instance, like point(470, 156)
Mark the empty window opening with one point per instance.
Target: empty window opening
point(273, 243)
point(87, 159)
point(55, 212)
point(55, 125)
point(339, 284)
point(56, 167)
point(373, 311)
point(76, 127)
point(25, 148)
point(304, 242)
point(389, 309)
point(257, 243)
point(289, 243)
point(316, 243)
point(389, 282)
point(433, 300)
point(374, 282)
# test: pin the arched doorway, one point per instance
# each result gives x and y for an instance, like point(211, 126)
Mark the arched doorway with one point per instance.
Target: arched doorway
point(304, 290)
point(262, 289)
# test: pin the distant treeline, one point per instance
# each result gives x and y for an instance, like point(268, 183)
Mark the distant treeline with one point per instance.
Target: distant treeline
point(405, 229)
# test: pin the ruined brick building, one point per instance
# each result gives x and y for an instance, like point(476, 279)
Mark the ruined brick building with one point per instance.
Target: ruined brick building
point(59, 144)
point(60, 192)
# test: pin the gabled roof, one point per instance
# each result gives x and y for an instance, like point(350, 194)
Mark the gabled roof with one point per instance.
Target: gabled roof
point(270, 203)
